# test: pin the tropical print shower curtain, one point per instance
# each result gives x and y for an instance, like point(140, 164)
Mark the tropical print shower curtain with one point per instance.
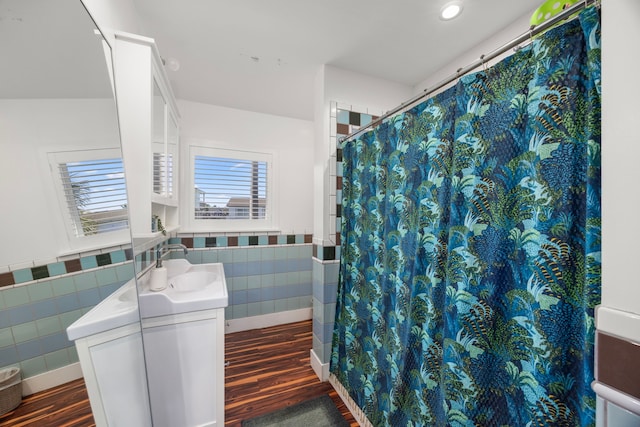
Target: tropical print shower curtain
point(470, 262)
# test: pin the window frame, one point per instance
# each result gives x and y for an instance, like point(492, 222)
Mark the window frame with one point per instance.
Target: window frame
point(229, 225)
point(84, 242)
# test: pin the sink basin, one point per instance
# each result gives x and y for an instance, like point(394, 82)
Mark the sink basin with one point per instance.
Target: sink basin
point(118, 309)
point(190, 287)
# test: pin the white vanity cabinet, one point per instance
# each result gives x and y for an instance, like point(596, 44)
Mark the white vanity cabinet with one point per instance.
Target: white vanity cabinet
point(185, 368)
point(108, 339)
point(149, 128)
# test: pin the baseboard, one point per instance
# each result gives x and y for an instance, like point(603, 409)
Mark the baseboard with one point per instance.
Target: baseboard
point(357, 413)
point(50, 379)
point(321, 369)
point(267, 320)
point(71, 372)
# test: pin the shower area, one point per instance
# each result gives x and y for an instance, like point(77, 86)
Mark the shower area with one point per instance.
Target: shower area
point(469, 246)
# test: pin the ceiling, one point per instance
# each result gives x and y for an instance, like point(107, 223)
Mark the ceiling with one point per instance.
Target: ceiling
point(48, 49)
point(255, 55)
point(263, 56)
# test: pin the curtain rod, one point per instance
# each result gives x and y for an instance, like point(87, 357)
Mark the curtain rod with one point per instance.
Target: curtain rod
point(533, 31)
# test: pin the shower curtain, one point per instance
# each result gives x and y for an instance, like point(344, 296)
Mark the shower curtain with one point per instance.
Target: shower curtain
point(470, 262)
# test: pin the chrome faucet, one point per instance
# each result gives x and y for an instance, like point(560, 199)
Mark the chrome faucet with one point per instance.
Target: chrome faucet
point(165, 249)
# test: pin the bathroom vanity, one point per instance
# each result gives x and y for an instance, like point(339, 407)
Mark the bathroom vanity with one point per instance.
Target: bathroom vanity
point(183, 331)
point(183, 328)
point(109, 343)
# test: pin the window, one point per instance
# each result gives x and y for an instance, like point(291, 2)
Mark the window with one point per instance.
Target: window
point(92, 194)
point(231, 188)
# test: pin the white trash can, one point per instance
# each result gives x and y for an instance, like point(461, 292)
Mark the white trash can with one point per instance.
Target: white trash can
point(10, 389)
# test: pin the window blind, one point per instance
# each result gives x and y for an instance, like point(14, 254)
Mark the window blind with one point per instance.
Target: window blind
point(163, 174)
point(96, 196)
point(227, 188)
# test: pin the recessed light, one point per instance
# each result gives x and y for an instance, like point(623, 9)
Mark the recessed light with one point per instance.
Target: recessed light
point(450, 10)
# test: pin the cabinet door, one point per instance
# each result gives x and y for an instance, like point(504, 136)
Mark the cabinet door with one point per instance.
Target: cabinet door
point(159, 142)
point(186, 373)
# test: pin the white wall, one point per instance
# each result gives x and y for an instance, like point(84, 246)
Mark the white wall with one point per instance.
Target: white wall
point(28, 129)
point(620, 157)
point(360, 91)
point(113, 15)
point(291, 140)
point(484, 47)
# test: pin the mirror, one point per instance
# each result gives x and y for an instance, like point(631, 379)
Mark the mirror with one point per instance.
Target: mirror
point(67, 241)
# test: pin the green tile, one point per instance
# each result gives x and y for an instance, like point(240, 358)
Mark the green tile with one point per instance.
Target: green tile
point(280, 305)
point(194, 257)
point(48, 325)
point(85, 281)
point(293, 303)
point(125, 271)
point(63, 286)
point(280, 279)
point(40, 272)
point(33, 367)
point(118, 256)
point(240, 283)
point(293, 278)
point(317, 310)
point(225, 256)
point(305, 276)
point(66, 319)
point(228, 312)
point(57, 268)
point(329, 311)
point(88, 262)
point(305, 302)
point(240, 311)
point(254, 309)
point(281, 252)
point(16, 296)
point(267, 307)
point(24, 332)
point(199, 242)
point(210, 256)
point(6, 337)
point(72, 354)
point(268, 254)
point(267, 280)
point(103, 259)
point(239, 255)
point(24, 275)
point(57, 359)
point(106, 276)
point(254, 254)
point(40, 291)
point(254, 282)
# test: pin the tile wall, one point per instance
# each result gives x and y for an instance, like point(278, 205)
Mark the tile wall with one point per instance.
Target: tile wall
point(345, 119)
point(38, 303)
point(265, 273)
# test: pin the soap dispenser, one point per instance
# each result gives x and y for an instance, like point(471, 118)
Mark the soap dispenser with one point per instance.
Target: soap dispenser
point(158, 279)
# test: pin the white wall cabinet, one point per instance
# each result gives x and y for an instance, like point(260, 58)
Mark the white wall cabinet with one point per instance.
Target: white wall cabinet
point(149, 128)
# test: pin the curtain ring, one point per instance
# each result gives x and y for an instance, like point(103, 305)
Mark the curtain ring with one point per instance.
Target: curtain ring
point(484, 64)
point(531, 33)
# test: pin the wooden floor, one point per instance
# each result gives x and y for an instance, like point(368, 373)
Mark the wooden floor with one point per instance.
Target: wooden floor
point(268, 370)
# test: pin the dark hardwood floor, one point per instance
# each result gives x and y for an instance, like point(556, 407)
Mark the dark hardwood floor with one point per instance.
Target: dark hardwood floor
point(268, 370)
